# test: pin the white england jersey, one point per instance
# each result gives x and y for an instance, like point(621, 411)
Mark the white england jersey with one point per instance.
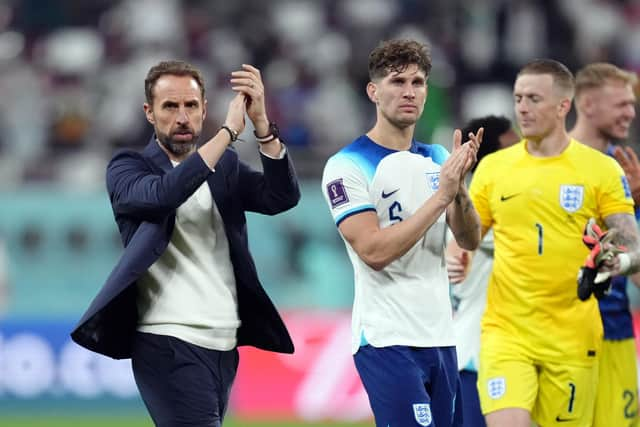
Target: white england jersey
point(407, 302)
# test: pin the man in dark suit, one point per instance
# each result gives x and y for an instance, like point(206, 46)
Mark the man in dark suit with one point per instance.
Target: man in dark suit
point(185, 292)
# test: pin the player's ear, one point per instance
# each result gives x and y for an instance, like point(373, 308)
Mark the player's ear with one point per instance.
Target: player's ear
point(204, 109)
point(371, 92)
point(564, 107)
point(587, 104)
point(148, 112)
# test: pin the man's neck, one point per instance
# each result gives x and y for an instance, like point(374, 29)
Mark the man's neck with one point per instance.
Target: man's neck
point(549, 146)
point(391, 136)
point(588, 135)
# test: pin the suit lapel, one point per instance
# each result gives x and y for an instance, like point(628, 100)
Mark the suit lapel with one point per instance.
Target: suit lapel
point(159, 158)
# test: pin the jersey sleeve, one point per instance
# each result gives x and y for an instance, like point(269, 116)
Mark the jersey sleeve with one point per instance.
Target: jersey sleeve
point(345, 188)
point(614, 194)
point(480, 192)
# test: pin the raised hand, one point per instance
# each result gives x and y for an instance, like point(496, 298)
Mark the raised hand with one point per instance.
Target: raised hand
point(461, 160)
point(473, 142)
point(236, 112)
point(248, 82)
point(452, 171)
point(631, 166)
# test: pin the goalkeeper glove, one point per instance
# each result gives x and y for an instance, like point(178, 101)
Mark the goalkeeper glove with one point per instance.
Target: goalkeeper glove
point(601, 249)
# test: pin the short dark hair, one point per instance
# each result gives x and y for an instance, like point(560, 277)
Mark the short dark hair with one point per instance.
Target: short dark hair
point(562, 77)
point(396, 55)
point(494, 126)
point(173, 68)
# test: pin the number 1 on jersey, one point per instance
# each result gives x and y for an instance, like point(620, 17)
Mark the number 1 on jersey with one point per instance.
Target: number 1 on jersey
point(540, 237)
point(572, 398)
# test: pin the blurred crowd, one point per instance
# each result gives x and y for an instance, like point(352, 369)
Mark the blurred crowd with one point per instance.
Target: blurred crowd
point(72, 71)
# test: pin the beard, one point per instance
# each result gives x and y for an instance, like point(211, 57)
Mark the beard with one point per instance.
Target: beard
point(178, 148)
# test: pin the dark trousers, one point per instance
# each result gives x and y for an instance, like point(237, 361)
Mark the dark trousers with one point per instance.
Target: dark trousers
point(182, 384)
point(471, 401)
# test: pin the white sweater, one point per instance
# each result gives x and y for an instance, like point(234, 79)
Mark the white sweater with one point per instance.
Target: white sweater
point(190, 291)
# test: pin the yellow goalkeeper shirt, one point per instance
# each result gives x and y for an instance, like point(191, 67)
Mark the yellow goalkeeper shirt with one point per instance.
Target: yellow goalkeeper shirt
point(538, 207)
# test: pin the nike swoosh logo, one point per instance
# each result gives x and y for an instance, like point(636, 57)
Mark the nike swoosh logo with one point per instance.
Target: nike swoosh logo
point(564, 420)
point(504, 198)
point(385, 195)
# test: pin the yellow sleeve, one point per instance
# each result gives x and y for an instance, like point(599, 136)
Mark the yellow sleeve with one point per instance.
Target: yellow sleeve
point(480, 192)
point(614, 195)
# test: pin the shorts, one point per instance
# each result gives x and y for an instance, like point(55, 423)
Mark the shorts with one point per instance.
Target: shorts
point(560, 394)
point(617, 393)
point(410, 386)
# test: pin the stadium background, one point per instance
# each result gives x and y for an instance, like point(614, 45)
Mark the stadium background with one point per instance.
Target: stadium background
point(71, 89)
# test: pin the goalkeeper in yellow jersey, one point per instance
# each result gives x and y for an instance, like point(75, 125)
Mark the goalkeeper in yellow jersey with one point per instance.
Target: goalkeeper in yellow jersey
point(605, 108)
point(539, 343)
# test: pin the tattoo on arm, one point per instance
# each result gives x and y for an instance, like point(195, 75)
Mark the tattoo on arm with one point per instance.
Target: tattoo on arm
point(464, 202)
point(627, 230)
point(627, 235)
point(470, 225)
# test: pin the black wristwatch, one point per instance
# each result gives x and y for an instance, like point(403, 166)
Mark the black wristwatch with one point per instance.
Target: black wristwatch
point(233, 134)
point(274, 132)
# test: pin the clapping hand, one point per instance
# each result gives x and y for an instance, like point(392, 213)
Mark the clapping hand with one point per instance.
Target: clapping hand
point(248, 81)
point(461, 160)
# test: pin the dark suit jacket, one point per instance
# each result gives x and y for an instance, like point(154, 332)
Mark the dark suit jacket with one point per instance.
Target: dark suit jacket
point(145, 191)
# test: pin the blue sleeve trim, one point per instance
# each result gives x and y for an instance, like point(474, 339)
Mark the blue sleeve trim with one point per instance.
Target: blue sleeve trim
point(354, 211)
point(363, 340)
point(439, 154)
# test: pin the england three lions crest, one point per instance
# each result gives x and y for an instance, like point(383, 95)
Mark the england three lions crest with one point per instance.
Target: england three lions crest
point(433, 181)
point(571, 197)
point(422, 413)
